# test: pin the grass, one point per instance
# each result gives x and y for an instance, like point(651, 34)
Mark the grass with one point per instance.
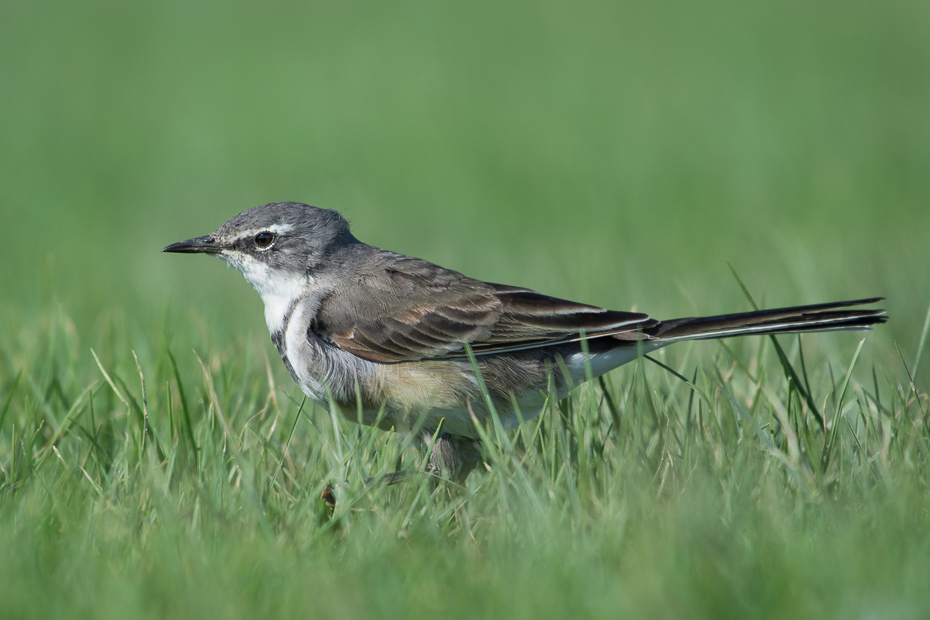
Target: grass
point(156, 459)
point(152, 492)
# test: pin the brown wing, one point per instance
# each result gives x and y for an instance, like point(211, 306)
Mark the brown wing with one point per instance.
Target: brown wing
point(409, 309)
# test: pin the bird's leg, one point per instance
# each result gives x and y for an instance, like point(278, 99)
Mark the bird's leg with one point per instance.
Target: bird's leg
point(395, 477)
point(452, 456)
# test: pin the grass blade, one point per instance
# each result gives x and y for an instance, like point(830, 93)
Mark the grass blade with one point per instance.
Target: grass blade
point(828, 446)
point(790, 373)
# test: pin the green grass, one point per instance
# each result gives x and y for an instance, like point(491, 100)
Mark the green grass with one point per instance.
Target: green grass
point(199, 493)
point(152, 459)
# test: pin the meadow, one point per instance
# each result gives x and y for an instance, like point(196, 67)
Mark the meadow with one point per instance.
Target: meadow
point(156, 460)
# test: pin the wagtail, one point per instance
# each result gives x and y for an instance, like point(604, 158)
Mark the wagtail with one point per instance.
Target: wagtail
point(403, 337)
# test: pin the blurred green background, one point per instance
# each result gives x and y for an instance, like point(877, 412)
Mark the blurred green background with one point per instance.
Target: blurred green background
point(614, 153)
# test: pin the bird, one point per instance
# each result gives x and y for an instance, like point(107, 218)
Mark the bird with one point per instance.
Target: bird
point(416, 347)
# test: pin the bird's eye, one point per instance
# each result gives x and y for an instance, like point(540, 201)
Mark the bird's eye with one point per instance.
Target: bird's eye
point(264, 240)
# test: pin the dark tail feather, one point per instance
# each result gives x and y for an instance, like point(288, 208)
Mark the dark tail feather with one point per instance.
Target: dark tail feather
point(816, 318)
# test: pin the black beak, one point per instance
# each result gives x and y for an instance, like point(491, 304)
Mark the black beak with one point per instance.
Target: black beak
point(197, 245)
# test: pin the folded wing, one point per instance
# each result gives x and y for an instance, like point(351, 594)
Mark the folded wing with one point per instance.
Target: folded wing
point(415, 310)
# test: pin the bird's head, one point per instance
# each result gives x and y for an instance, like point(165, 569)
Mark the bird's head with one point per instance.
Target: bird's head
point(274, 244)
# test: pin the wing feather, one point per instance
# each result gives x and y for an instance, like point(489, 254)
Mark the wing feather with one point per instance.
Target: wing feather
point(410, 309)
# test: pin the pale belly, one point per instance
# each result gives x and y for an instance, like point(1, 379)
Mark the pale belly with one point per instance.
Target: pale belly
point(422, 394)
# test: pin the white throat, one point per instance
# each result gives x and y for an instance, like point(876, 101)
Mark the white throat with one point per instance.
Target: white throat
point(278, 289)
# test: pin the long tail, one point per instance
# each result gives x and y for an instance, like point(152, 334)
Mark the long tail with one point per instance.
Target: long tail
point(816, 318)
